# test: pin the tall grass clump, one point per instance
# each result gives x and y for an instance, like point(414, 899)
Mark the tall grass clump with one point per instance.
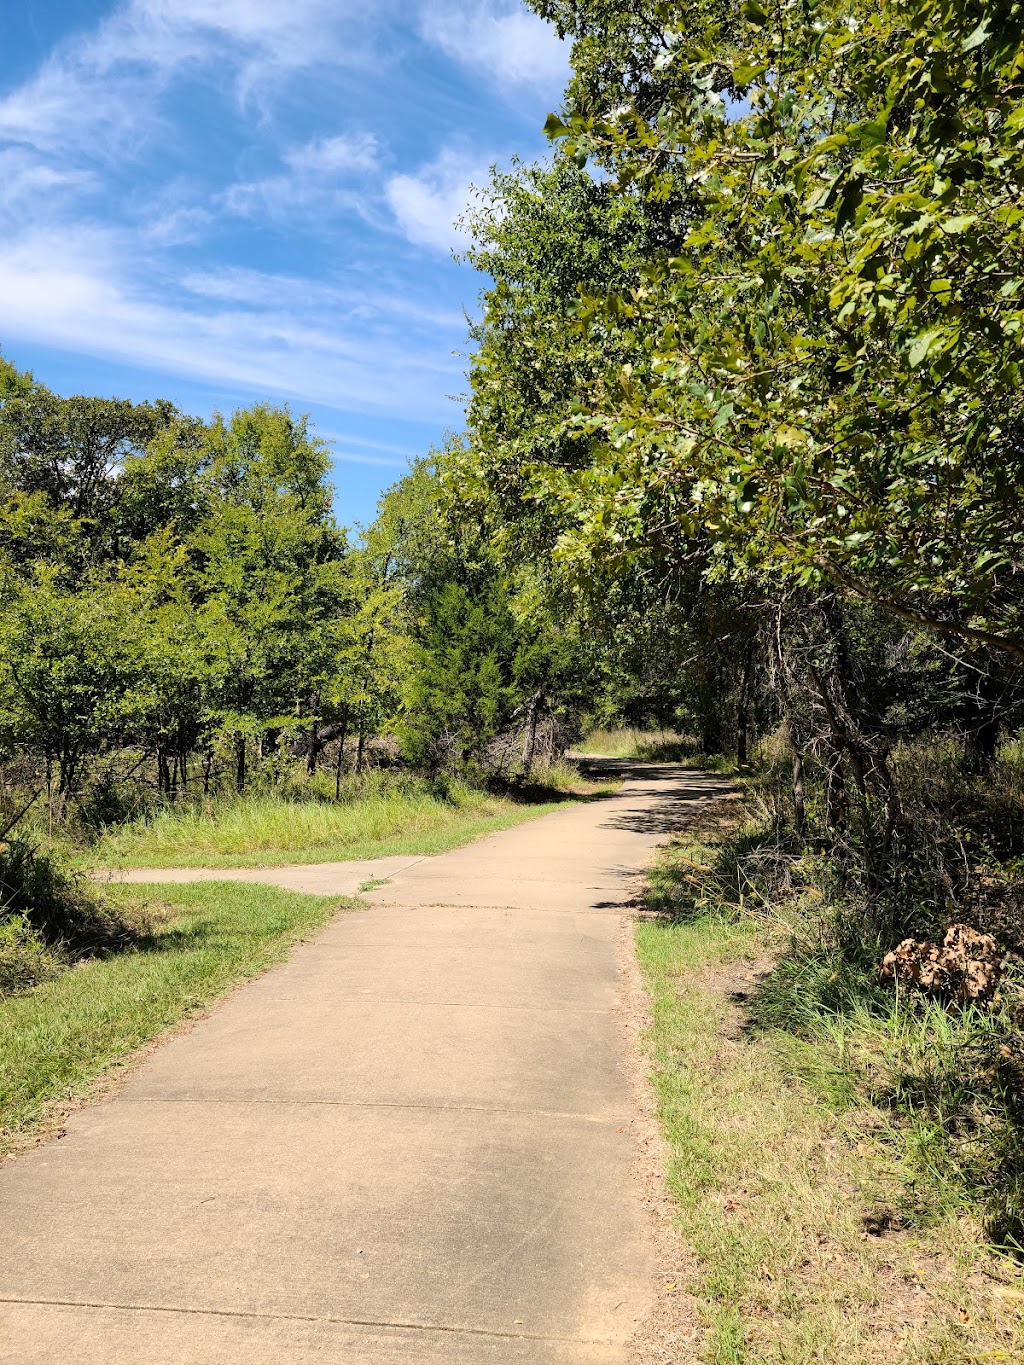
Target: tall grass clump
point(380, 814)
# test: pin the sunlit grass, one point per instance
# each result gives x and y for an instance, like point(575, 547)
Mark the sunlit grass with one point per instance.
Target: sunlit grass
point(275, 829)
point(56, 1040)
point(629, 742)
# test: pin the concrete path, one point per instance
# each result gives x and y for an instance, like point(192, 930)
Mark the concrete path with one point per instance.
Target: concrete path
point(408, 1144)
point(318, 879)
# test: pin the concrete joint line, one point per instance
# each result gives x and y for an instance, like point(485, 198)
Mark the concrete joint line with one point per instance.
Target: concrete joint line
point(377, 1104)
point(467, 1005)
point(617, 909)
point(303, 1317)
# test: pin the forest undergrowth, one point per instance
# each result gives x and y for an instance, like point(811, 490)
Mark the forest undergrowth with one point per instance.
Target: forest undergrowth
point(847, 1151)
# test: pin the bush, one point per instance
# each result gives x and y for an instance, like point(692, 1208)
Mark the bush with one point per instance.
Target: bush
point(25, 960)
point(50, 917)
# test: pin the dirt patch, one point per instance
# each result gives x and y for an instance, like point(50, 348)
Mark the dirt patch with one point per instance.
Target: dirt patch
point(735, 983)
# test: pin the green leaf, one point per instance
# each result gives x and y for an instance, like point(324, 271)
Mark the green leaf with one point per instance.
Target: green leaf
point(743, 75)
point(554, 127)
point(927, 344)
point(979, 36)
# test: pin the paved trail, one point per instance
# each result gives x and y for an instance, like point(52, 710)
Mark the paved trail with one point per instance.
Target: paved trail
point(405, 1145)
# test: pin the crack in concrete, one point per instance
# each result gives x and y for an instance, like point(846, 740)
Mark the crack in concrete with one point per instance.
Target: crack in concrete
point(376, 1104)
point(306, 1317)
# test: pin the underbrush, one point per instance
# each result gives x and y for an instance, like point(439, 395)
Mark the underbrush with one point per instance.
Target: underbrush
point(786, 1203)
point(939, 1083)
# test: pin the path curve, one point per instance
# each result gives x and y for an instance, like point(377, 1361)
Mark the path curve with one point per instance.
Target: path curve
point(410, 1143)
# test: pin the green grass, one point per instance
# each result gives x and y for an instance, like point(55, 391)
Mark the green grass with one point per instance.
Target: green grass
point(273, 829)
point(784, 1167)
point(653, 746)
point(58, 1039)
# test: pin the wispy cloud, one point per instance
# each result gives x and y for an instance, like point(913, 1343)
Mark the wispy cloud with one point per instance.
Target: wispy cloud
point(428, 205)
point(71, 292)
point(498, 40)
point(25, 177)
point(317, 175)
point(376, 304)
point(100, 91)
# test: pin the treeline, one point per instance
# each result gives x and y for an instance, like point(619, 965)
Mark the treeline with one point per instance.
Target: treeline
point(181, 614)
point(750, 369)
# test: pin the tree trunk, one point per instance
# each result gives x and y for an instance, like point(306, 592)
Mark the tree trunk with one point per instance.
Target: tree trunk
point(341, 755)
point(742, 712)
point(240, 756)
point(530, 738)
point(799, 795)
point(362, 741)
point(163, 772)
point(313, 737)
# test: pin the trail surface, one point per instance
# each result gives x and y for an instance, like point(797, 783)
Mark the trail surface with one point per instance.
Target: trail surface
point(409, 1143)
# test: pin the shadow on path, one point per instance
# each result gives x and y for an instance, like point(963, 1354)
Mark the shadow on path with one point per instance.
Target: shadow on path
point(669, 809)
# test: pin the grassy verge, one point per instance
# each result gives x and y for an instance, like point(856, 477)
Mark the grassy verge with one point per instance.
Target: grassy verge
point(59, 1038)
point(790, 1175)
point(652, 746)
point(377, 823)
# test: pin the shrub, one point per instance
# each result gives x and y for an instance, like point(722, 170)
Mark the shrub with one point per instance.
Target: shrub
point(50, 917)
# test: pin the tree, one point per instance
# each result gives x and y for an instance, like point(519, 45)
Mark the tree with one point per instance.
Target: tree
point(70, 669)
point(832, 374)
point(268, 568)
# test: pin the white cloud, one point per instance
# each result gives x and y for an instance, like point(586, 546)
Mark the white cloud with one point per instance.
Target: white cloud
point(428, 204)
point(25, 177)
point(69, 290)
point(334, 155)
point(499, 40)
point(317, 176)
point(100, 90)
point(380, 307)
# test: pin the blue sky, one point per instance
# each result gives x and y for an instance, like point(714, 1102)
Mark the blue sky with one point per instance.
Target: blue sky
point(219, 201)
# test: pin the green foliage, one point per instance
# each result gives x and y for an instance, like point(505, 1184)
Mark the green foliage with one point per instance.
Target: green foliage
point(171, 589)
point(463, 681)
point(826, 374)
point(49, 917)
